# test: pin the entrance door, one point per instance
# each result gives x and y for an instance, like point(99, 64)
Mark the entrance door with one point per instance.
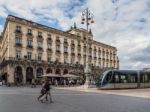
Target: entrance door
point(29, 75)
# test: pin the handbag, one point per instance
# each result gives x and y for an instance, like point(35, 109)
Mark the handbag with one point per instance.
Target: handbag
point(43, 91)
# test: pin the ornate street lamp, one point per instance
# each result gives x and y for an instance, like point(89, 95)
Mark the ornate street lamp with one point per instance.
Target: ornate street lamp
point(87, 19)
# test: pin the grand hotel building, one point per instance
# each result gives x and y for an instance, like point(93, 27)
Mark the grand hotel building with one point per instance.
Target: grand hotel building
point(28, 50)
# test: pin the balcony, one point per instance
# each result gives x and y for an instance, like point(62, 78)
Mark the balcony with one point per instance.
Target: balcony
point(29, 34)
point(49, 50)
point(72, 53)
point(95, 57)
point(58, 51)
point(39, 36)
point(65, 43)
point(39, 48)
point(79, 45)
point(90, 56)
point(18, 32)
point(72, 45)
point(49, 40)
point(30, 46)
point(57, 41)
point(65, 52)
point(79, 54)
point(18, 44)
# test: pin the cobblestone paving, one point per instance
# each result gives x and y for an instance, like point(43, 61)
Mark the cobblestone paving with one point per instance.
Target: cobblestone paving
point(24, 99)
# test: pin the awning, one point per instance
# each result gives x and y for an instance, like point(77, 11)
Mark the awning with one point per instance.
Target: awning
point(70, 76)
point(51, 75)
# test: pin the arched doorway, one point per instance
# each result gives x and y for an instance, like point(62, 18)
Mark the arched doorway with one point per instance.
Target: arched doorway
point(39, 72)
point(29, 75)
point(58, 71)
point(18, 76)
point(49, 70)
point(65, 71)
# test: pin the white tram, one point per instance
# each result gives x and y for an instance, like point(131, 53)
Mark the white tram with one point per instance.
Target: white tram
point(120, 79)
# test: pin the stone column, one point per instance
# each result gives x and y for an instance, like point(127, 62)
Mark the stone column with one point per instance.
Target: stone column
point(10, 75)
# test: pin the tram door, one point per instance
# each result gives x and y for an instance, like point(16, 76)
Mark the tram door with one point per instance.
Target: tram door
point(142, 79)
point(147, 79)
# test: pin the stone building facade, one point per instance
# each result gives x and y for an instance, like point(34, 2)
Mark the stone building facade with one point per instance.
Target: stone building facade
point(28, 50)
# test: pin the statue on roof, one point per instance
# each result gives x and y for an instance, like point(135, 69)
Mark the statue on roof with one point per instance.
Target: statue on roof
point(90, 32)
point(75, 25)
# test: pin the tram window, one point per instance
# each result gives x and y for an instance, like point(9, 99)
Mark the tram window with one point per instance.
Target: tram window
point(108, 78)
point(123, 78)
point(133, 78)
point(116, 77)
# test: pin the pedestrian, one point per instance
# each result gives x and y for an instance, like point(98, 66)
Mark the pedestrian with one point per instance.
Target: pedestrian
point(47, 86)
point(43, 91)
point(33, 83)
point(56, 83)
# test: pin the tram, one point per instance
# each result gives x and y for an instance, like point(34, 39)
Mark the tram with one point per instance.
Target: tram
point(121, 79)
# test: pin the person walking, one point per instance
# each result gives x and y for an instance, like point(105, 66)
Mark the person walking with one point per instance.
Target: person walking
point(48, 91)
point(33, 83)
point(43, 91)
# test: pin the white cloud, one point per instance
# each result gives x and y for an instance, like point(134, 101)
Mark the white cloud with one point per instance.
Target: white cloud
point(1, 28)
point(124, 24)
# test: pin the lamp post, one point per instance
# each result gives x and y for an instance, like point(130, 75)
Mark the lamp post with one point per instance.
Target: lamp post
point(87, 19)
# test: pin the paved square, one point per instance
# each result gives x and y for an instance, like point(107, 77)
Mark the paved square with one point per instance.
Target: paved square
point(24, 99)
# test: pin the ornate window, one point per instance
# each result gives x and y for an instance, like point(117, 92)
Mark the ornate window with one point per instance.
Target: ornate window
point(49, 46)
point(72, 60)
point(39, 33)
point(65, 49)
point(29, 55)
point(40, 44)
point(72, 50)
point(58, 47)
point(49, 36)
point(65, 59)
point(18, 28)
point(18, 54)
point(29, 31)
point(48, 57)
point(30, 42)
point(39, 56)
point(18, 40)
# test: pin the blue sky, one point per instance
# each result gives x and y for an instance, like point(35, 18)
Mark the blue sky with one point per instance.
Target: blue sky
point(124, 24)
